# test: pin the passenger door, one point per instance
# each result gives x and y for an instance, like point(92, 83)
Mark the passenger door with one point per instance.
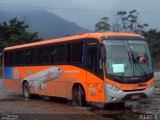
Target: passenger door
point(92, 67)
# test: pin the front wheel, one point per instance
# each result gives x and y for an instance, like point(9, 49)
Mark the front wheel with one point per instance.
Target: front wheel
point(26, 90)
point(78, 96)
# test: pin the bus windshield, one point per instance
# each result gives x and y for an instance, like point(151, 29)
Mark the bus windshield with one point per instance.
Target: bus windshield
point(128, 58)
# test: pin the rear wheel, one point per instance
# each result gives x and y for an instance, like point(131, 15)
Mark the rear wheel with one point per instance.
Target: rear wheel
point(34, 96)
point(26, 90)
point(78, 96)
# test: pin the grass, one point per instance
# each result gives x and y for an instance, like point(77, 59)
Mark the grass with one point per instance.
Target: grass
point(157, 83)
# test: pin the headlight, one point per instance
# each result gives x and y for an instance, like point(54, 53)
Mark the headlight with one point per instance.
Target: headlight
point(151, 85)
point(114, 88)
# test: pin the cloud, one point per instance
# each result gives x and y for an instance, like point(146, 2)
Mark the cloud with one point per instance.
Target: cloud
point(87, 18)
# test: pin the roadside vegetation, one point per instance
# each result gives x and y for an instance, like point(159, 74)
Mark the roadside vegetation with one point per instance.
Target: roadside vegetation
point(15, 32)
point(129, 22)
point(157, 83)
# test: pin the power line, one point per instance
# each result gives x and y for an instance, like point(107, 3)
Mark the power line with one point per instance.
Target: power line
point(69, 9)
point(29, 6)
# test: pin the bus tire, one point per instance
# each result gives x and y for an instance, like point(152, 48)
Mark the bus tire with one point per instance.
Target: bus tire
point(78, 96)
point(26, 90)
point(34, 96)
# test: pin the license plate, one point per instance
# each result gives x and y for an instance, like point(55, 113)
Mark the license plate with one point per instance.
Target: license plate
point(135, 97)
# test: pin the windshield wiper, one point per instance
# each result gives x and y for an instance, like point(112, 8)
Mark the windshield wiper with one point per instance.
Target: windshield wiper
point(130, 63)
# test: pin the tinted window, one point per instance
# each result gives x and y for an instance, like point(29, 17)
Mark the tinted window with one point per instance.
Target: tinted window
point(39, 55)
point(76, 51)
point(58, 53)
point(6, 58)
point(33, 56)
point(91, 59)
point(50, 54)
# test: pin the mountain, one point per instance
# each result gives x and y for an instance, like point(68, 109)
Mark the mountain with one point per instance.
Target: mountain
point(47, 24)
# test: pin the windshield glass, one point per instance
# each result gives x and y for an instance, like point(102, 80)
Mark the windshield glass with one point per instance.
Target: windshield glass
point(127, 58)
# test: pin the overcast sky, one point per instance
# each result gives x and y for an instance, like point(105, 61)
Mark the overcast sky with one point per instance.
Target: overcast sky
point(149, 10)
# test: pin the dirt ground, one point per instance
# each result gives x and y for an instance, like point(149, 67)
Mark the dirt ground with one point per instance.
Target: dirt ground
point(14, 107)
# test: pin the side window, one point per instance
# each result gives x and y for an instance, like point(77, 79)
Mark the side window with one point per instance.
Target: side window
point(9, 58)
point(52, 54)
point(39, 55)
point(58, 54)
point(13, 58)
point(17, 57)
point(27, 56)
point(33, 56)
point(36, 56)
point(6, 58)
point(47, 55)
point(76, 52)
point(91, 59)
point(23, 56)
point(44, 55)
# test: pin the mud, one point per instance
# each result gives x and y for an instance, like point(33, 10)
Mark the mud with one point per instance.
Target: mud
point(14, 106)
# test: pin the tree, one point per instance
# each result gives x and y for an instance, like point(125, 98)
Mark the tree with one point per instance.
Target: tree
point(153, 38)
point(129, 22)
point(121, 22)
point(124, 22)
point(103, 25)
point(14, 33)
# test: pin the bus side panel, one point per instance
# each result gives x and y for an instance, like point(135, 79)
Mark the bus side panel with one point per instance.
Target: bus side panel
point(95, 88)
point(11, 80)
point(61, 86)
point(12, 84)
point(8, 84)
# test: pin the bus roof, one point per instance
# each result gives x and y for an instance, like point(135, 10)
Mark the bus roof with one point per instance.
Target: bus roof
point(78, 36)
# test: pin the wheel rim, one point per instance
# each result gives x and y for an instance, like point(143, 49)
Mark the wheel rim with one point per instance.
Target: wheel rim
point(26, 91)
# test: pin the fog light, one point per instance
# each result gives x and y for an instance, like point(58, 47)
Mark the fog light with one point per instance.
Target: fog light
point(151, 85)
point(112, 98)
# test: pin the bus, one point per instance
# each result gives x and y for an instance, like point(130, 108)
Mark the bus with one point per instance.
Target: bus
point(99, 68)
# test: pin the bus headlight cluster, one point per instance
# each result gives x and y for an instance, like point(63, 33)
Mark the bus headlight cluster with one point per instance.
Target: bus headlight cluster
point(151, 85)
point(114, 88)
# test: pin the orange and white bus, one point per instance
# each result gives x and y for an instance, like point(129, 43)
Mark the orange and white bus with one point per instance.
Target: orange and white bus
point(93, 67)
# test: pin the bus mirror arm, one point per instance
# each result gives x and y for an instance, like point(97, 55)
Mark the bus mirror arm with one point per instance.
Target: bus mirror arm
point(103, 53)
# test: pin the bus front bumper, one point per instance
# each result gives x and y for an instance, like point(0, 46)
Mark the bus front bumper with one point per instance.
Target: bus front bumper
point(113, 95)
